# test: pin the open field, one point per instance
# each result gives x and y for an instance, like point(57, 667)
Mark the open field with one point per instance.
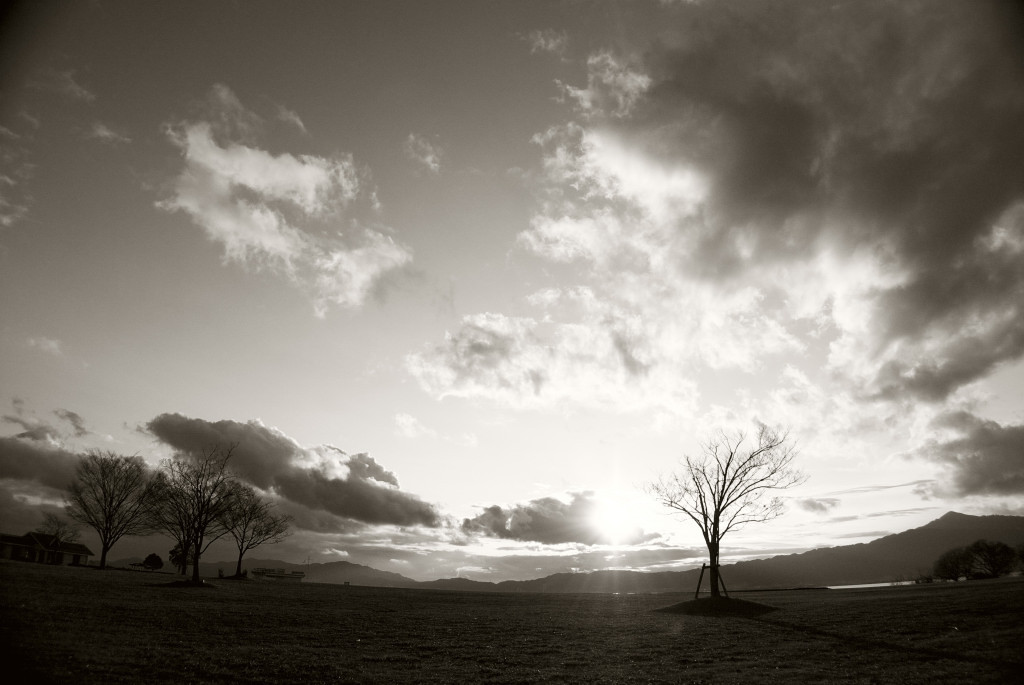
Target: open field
point(82, 625)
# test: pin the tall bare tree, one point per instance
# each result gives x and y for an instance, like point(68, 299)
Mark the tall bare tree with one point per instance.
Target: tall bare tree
point(193, 493)
point(730, 484)
point(110, 494)
point(251, 522)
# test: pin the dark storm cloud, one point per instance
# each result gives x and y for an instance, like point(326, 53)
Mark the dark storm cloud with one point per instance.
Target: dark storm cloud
point(985, 458)
point(36, 462)
point(317, 521)
point(861, 123)
point(19, 517)
point(548, 520)
point(270, 460)
point(260, 454)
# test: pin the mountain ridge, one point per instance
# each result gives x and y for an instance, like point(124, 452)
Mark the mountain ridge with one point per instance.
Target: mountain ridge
point(904, 555)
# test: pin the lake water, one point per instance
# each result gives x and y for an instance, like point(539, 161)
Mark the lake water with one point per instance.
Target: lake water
point(851, 587)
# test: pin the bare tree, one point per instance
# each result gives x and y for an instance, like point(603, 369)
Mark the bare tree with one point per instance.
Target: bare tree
point(730, 484)
point(111, 494)
point(251, 522)
point(193, 493)
point(61, 531)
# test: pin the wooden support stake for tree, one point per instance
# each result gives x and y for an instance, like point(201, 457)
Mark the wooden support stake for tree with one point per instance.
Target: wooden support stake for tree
point(700, 579)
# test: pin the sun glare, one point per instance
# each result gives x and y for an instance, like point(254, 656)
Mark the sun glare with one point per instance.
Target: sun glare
point(615, 520)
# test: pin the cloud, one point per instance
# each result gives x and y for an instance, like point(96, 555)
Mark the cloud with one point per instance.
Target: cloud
point(766, 177)
point(877, 488)
point(980, 456)
point(409, 426)
point(807, 159)
point(75, 419)
point(63, 82)
point(22, 508)
point(36, 462)
point(818, 505)
point(614, 86)
point(105, 134)
point(547, 40)
point(38, 430)
point(16, 169)
point(280, 212)
point(290, 117)
point(615, 346)
point(322, 480)
point(49, 345)
point(547, 520)
point(11, 211)
point(424, 152)
point(33, 428)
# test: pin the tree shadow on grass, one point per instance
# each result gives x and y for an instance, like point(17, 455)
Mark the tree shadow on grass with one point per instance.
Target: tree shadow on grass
point(718, 606)
point(1007, 667)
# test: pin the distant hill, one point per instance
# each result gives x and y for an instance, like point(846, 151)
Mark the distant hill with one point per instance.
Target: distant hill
point(339, 572)
point(902, 555)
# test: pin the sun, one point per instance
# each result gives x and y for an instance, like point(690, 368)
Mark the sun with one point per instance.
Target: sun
point(614, 520)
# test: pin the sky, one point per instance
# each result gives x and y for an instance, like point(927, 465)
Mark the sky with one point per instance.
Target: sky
point(459, 278)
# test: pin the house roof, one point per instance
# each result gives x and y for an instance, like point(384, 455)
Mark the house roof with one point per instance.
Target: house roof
point(47, 542)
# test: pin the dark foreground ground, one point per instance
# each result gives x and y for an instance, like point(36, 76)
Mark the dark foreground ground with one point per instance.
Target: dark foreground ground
point(86, 626)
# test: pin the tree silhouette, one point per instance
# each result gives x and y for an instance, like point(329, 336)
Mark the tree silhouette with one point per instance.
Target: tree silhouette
point(111, 494)
point(954, 564)
point(153, 562)
point(179, 559)
point(192, 494)
point(727, 486)
point(992, 559)
point(251, 522)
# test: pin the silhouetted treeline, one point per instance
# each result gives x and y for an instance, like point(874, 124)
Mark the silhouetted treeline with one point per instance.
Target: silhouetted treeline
point(980, 559)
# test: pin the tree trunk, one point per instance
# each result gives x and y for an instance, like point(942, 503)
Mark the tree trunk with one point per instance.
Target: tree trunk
point(713, 554)
point(238, 567)
point(195, 567)
point(103, 557)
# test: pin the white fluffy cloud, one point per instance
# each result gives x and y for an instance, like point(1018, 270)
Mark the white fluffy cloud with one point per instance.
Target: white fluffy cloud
point(289, 213)
point(735, 198)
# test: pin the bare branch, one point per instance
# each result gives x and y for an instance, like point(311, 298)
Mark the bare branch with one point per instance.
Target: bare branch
point(111, 494)
point(729, 485)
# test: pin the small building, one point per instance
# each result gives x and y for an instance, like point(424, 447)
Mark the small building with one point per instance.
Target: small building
point(43, 549)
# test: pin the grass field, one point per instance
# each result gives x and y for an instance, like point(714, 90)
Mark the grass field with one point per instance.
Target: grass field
point(62, 624)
